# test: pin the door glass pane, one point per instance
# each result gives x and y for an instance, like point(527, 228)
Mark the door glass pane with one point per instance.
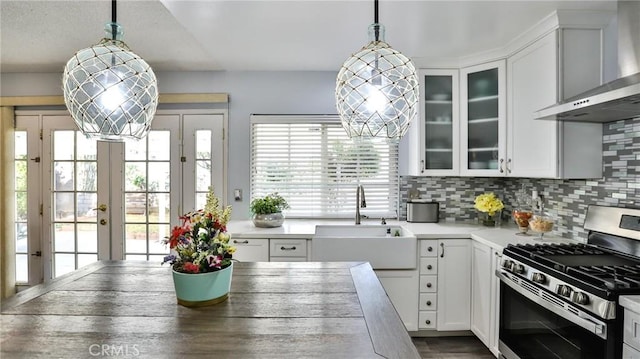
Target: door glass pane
point(74, 198)
point(63, 263)
point(63, 148)
point(158, 149)
point(22, 268)
point(438, 122)
point(86, 259)
point(483, 119)
point(203, 162)
point(64, 237)
point(147, 199)
point(88, 237)
point(20, 205)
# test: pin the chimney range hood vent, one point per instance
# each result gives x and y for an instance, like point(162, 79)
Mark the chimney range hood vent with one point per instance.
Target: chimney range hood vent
point(618, 99)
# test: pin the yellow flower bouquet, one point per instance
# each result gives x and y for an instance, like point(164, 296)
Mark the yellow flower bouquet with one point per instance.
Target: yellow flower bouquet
point(488, 203)
point(491, 205)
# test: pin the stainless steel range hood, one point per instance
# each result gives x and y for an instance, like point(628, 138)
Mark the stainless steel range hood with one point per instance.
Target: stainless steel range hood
point(616, 100)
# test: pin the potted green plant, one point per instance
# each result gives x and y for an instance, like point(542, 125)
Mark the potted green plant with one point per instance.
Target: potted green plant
point(267, 211)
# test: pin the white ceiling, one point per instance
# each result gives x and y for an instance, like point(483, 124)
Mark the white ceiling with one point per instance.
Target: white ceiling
point(176, 35)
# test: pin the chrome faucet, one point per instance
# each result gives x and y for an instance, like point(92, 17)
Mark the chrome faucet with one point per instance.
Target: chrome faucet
point(360, 202)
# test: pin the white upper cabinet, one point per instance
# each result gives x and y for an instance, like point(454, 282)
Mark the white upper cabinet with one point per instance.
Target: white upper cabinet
point(561, 64)
point(483, 119)
point(484, 125)
point(434, 139)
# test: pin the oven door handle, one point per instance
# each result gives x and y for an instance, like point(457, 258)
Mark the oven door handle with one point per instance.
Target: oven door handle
point(599, 329)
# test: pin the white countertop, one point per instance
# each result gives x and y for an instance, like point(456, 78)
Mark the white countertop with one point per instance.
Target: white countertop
point(631, 302)
point(497, 238)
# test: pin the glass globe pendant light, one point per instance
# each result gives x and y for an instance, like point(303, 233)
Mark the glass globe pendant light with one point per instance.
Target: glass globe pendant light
point(377, 89)
point(111, 93)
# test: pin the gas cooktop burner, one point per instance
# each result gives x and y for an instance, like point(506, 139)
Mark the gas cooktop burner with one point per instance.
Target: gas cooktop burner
point(602, 269)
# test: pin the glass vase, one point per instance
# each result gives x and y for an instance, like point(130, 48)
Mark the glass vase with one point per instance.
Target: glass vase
point(489, 220)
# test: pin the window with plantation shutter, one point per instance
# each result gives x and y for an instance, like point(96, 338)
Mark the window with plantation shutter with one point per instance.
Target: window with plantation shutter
point(311, 162)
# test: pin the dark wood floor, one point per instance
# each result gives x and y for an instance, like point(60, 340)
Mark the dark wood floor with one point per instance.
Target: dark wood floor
point(452, 347)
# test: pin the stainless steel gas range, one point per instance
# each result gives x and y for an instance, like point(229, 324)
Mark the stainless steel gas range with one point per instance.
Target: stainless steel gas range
point(561, 300)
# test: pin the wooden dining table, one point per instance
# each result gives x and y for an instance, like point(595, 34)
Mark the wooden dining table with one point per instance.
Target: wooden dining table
point(274, 310)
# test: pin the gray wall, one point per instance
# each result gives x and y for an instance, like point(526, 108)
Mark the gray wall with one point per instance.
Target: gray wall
point(288, 92)
point(567, 200)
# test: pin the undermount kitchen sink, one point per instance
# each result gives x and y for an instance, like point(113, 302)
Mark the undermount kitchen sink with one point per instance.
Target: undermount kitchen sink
point(366, 243)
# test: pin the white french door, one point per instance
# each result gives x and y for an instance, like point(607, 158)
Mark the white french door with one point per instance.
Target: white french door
point(99, 200)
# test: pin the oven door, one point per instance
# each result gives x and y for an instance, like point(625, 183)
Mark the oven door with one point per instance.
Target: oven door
point(535, 324)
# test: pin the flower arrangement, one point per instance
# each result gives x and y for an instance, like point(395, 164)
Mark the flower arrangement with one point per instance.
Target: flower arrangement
point(201, 243)
point(271, 203)
point(488, 203)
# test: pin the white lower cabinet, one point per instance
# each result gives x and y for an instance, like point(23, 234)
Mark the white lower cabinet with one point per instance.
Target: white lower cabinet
point(400, 286)
point(485, 295)
point(288, 250)
point(251, 249)
point(445, 288)
point(454, 284)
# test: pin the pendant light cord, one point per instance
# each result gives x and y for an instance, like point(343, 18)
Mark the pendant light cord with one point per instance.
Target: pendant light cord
point(114, 26)
point(375, 20)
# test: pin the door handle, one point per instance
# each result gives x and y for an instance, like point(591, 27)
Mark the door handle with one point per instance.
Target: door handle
point(103, 222)
point(442, 246)
point(37, 254)
point(102, 207)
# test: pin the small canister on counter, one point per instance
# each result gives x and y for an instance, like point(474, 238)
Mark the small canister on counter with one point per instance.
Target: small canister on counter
point(422, 211)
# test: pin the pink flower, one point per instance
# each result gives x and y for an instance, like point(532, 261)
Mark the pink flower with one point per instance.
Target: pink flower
point(215, 261)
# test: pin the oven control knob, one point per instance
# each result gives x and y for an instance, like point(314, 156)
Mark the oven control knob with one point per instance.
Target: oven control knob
point(580, 298)
point(539, 278)
point(564, 290)
point(507, 264)
point(517, 268)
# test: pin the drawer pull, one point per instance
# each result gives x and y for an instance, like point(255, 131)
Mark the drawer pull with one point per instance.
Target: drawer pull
point(427, 321)
point(429, 266)
point(243, 242)
point(430, 249)
point(429, 303)
point(283, 248)
point(428, 285)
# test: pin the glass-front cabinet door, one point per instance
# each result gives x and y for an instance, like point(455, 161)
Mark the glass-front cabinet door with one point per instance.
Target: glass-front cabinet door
point(439, 122)
point(483, 119)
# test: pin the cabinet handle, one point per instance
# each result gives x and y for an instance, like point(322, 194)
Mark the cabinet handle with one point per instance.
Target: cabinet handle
point(442, 246)
point(430, 249)
point(502, 165)
point(429, 266)
point(422, 166)
point(283, 248)
point(509, 165)
point(427, 321)
point(428, 285)
point(429, 303)
point(243, 242)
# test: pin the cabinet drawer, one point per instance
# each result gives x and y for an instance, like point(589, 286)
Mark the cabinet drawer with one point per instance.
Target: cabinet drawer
point(427, 320)
point(428, 248)
point(288, 247)
point(428, 265)
point(251, 249)
point(632, 329)
point(629, 353)
point(428, 283)
point(428, 301)
point(288, 259)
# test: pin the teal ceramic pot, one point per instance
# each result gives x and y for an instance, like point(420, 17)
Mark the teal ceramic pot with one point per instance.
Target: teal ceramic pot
point(202, 289)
